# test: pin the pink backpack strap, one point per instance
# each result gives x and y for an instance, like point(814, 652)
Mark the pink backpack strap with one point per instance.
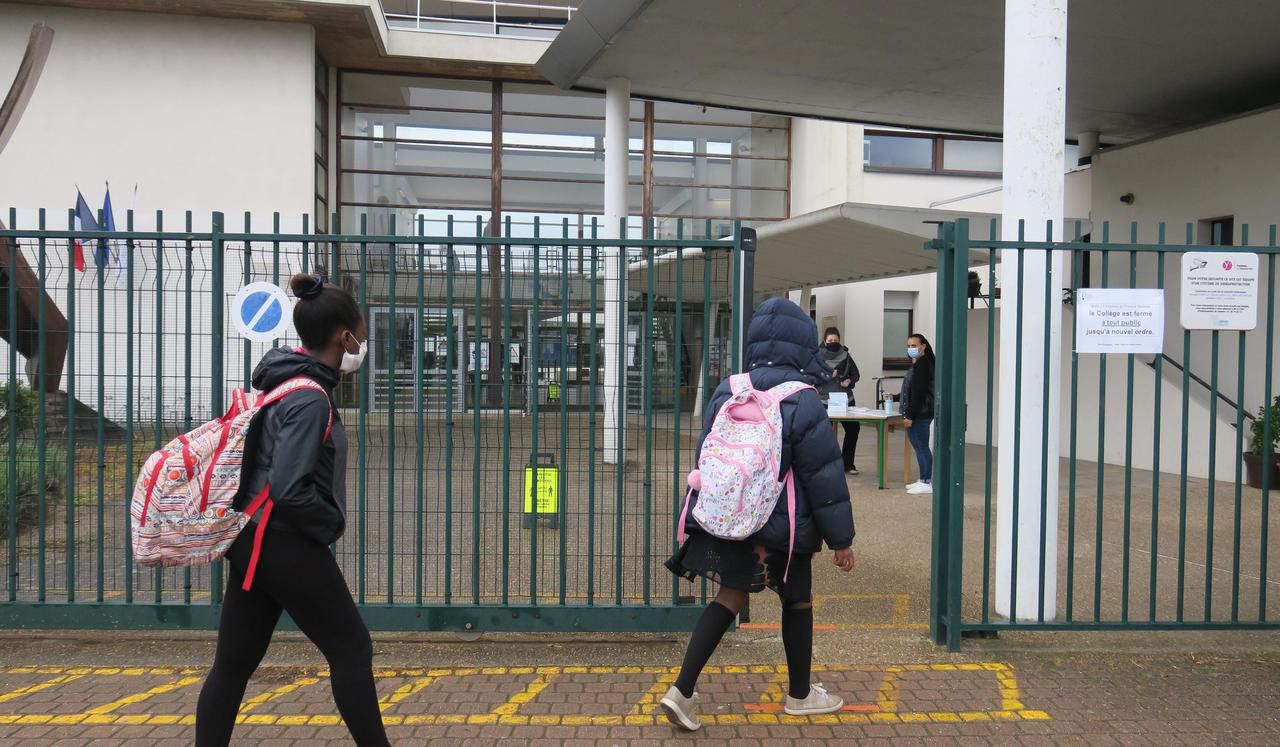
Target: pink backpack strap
point(791, 521)
point(740, 384)
point(787, 389)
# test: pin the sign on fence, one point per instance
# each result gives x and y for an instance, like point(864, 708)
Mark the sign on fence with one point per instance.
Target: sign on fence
point(261, 312)
point(1220, 291)
point(1120, 320)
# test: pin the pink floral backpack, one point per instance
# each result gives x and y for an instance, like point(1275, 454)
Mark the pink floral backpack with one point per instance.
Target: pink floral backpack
point(737, 474)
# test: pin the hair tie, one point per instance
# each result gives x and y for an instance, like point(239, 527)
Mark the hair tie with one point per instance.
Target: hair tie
point(313, 290)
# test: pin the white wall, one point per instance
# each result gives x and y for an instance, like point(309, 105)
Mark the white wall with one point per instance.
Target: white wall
point(202, 114)
point(1228, 169)
point(858, 309)
point(1091, 406)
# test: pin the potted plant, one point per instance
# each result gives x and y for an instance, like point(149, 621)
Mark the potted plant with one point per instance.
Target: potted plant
point(1253, 459)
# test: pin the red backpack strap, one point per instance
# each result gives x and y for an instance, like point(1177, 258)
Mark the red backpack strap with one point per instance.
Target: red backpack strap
point(262, 501)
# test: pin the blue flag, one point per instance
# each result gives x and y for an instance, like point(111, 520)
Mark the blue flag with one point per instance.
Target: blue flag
point(108, 224)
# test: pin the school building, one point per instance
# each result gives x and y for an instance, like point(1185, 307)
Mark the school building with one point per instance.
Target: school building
point(844, 136)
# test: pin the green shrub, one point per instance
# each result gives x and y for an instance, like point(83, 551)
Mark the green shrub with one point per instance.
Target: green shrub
point(1256, 427)
point(26, 498)
point(23, 416)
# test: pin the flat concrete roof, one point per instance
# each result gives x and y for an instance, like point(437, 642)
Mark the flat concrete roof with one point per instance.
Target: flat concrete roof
point(1135, 68)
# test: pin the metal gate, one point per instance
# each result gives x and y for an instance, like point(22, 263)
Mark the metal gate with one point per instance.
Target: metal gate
point(470, 508)
point(1156, 527)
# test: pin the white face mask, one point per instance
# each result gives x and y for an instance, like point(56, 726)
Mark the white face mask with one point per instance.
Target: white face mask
point(351, 362)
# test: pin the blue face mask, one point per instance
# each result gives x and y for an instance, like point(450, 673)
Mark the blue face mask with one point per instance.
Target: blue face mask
point(913, 353)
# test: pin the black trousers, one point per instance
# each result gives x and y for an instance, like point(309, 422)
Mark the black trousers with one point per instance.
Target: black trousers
point(850, 448)
point(296, 575)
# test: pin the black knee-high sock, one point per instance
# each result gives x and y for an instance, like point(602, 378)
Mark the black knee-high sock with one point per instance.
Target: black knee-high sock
point(797, 641)
point(713, 623)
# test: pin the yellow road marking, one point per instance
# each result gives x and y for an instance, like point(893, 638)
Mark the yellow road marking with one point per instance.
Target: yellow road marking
point(139, 697)
point(887, 698)
point(648, 704)
point(1010, 695)
point(271, 695)
point(404, 691)
point(721, 719)
point(516, 702)
point(61, 679)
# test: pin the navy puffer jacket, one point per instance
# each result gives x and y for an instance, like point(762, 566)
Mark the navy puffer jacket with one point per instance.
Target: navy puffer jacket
point(782, 346)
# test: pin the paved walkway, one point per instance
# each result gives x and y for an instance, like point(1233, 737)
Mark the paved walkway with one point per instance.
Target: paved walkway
point(1097, 700)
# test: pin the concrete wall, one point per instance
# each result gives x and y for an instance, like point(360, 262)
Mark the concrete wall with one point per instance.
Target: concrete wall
point(178, 105)
point(202, 114)
point(1091, 408)
point(1228, 169)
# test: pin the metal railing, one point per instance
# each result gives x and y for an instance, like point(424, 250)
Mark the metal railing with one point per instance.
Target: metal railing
point(1152, 494)
point(486, 384)
point(515, 20)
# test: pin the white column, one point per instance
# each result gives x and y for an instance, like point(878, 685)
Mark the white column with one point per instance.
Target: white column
point(617, 110)
point(1088, 144)
point(1035, 75)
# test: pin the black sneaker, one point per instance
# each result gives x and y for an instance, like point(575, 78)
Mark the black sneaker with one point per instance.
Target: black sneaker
point(852, 470)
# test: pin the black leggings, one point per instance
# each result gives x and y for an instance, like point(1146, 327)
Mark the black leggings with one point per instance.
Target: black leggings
point(299, 576)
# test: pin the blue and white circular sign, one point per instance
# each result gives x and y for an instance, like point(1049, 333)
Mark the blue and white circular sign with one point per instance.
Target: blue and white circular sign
point(261, 312)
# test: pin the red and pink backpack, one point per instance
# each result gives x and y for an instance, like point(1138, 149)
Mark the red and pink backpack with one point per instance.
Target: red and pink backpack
point(182, 509)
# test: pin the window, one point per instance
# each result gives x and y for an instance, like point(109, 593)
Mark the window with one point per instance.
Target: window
point(322, 148)
point(1218, 231)
point(934, 154)
point(899, 324)
point(895, 152)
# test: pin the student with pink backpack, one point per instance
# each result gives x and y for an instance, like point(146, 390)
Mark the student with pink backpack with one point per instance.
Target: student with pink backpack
point(768, 491)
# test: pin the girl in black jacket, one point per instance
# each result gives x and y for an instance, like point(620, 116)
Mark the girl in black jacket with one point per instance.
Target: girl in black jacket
point(287, 449)
point(780, 348)
point(917, 409)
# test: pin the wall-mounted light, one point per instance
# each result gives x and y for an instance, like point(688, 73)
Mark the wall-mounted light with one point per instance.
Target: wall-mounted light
point(1127, 198)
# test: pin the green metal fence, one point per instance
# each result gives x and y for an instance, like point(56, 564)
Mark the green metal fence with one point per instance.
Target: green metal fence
point(1157, 528)
point(484, 396)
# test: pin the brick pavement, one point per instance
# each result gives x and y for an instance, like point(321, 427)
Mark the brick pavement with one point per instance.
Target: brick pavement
point(1093, 700)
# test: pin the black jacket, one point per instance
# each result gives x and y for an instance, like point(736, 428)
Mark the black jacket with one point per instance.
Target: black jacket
point(781, 347)
point(286, 448)
point(917, 391)
point(846, 369)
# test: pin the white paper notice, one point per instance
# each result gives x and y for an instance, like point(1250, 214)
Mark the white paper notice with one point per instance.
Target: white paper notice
point(1219, 290)
point(838, 403)
point(1121, 320)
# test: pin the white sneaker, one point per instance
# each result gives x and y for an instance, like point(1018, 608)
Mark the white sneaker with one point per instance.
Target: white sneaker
point(915, 484)
point(921, 488)
point(818, 702)
point(682, 712)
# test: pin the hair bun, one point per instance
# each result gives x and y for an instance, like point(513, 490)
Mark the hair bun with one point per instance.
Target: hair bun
point(305, 285)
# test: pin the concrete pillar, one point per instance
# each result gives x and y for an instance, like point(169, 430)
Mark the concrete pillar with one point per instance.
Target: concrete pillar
point(617, 110)
point(1088, 144)
point(1035, 75)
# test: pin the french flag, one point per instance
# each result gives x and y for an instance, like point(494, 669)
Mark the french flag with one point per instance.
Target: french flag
point(84, 222)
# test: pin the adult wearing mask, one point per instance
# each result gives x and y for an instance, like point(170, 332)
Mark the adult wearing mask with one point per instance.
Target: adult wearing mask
point(917, 409)
point(844, 375)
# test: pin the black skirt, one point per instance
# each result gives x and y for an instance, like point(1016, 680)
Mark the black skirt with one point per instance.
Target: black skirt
point(745, 566)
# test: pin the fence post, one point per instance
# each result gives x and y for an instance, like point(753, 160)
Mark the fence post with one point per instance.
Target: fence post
point(939, 576)
point(218, 350)
point(956, 382)
point(744, 240)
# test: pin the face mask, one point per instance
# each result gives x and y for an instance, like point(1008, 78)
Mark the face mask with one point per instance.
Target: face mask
point(833, 347)
point(351, 362)
point(913, 353)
